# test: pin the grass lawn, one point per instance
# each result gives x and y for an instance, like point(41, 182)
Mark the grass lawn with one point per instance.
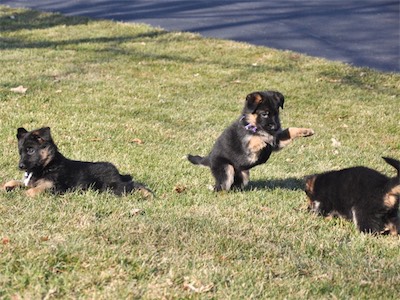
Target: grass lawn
point(104, 86)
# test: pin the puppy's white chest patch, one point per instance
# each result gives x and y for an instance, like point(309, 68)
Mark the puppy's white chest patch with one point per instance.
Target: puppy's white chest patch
point(27, 178)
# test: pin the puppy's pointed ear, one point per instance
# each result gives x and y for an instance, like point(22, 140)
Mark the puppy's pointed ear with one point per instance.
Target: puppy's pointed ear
point(21, 133)
point(253, 100)
point(44, 134)
point(279, 100)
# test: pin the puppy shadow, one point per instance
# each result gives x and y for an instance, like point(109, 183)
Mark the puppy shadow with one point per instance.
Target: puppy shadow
point(291, 183)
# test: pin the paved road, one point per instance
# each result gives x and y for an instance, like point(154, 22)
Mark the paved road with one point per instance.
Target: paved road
point(359, 32)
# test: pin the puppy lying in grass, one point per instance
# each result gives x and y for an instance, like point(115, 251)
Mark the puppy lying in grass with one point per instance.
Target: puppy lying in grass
point(46, 169)
point(365, 196)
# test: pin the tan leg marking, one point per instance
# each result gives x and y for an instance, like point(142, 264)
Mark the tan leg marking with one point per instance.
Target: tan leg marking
point(12, 184)
point(392, 227)
point(300, 132)
point(289, 134)
point(246, 177)
point(40, 186)
point(145, 192)
point(230, 173)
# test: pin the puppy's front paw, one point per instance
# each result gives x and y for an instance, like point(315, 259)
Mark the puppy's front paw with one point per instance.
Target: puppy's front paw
point(295, 132)
point(304, 132)
point(10, 185)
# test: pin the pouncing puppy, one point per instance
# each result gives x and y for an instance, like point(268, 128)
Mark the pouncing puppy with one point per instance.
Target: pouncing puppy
point(249, 141)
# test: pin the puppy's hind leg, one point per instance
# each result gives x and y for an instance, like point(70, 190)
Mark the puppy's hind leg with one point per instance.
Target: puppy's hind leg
point(241, 179)
point(224, 176)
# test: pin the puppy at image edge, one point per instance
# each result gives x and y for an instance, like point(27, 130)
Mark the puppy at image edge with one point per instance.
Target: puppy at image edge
point(359, 194)
point(47, 169)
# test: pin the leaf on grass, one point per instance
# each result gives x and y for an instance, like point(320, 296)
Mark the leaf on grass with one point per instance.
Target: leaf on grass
point(137, 141)
point(200, 289)
point(44, 238)
point(5, 240)
point(179, 188)
point(335, 143)
point(19, 89)
point(264, 208)
point(135, 212)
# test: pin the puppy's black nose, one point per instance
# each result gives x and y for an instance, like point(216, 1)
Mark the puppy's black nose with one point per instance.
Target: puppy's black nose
point(272, 127)
point(21, 166)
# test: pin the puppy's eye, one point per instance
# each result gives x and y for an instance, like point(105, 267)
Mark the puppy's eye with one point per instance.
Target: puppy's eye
point(30, 151)
point(265, 114)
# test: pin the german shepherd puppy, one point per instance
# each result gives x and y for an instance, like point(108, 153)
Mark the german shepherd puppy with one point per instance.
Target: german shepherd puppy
point(365, 196)
point(249, 141)
point(47, 169)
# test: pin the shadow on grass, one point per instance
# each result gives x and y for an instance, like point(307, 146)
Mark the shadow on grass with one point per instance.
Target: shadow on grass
point(291, 183)
point(30, 20)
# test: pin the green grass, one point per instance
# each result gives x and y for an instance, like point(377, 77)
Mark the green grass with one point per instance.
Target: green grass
point(99, 85)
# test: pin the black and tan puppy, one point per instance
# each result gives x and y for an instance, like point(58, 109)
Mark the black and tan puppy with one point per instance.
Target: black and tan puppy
point(365, 196)
point(249, 141)
point(47, 169)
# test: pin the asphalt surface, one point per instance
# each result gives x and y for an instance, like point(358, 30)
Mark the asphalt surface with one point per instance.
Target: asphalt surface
point(361, 33)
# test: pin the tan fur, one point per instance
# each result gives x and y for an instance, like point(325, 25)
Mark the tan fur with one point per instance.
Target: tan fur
point(146, 193)
point(40, 187)
point(255, 144)
point(12, 184)
point(293, 133)
point(230, 173)
point(246, 177)
point(310, 181)
point(392, 197)
point(45, 156)
point(258, 98)
point(252, 119)
point(392, 227)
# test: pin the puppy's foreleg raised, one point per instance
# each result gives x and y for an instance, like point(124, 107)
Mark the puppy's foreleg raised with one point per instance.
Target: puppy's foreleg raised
point(286, 136)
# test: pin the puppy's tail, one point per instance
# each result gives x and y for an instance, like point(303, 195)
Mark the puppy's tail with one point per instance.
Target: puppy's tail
point(199, 160)
point(394, 163)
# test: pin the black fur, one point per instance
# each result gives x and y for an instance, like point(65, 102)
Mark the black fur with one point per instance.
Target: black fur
point(249, 141)
point(365, 196)
point(50, 170)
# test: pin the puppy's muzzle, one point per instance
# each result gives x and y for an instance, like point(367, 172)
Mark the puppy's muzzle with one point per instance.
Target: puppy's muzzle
point(22, 166)
point(272, 127)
